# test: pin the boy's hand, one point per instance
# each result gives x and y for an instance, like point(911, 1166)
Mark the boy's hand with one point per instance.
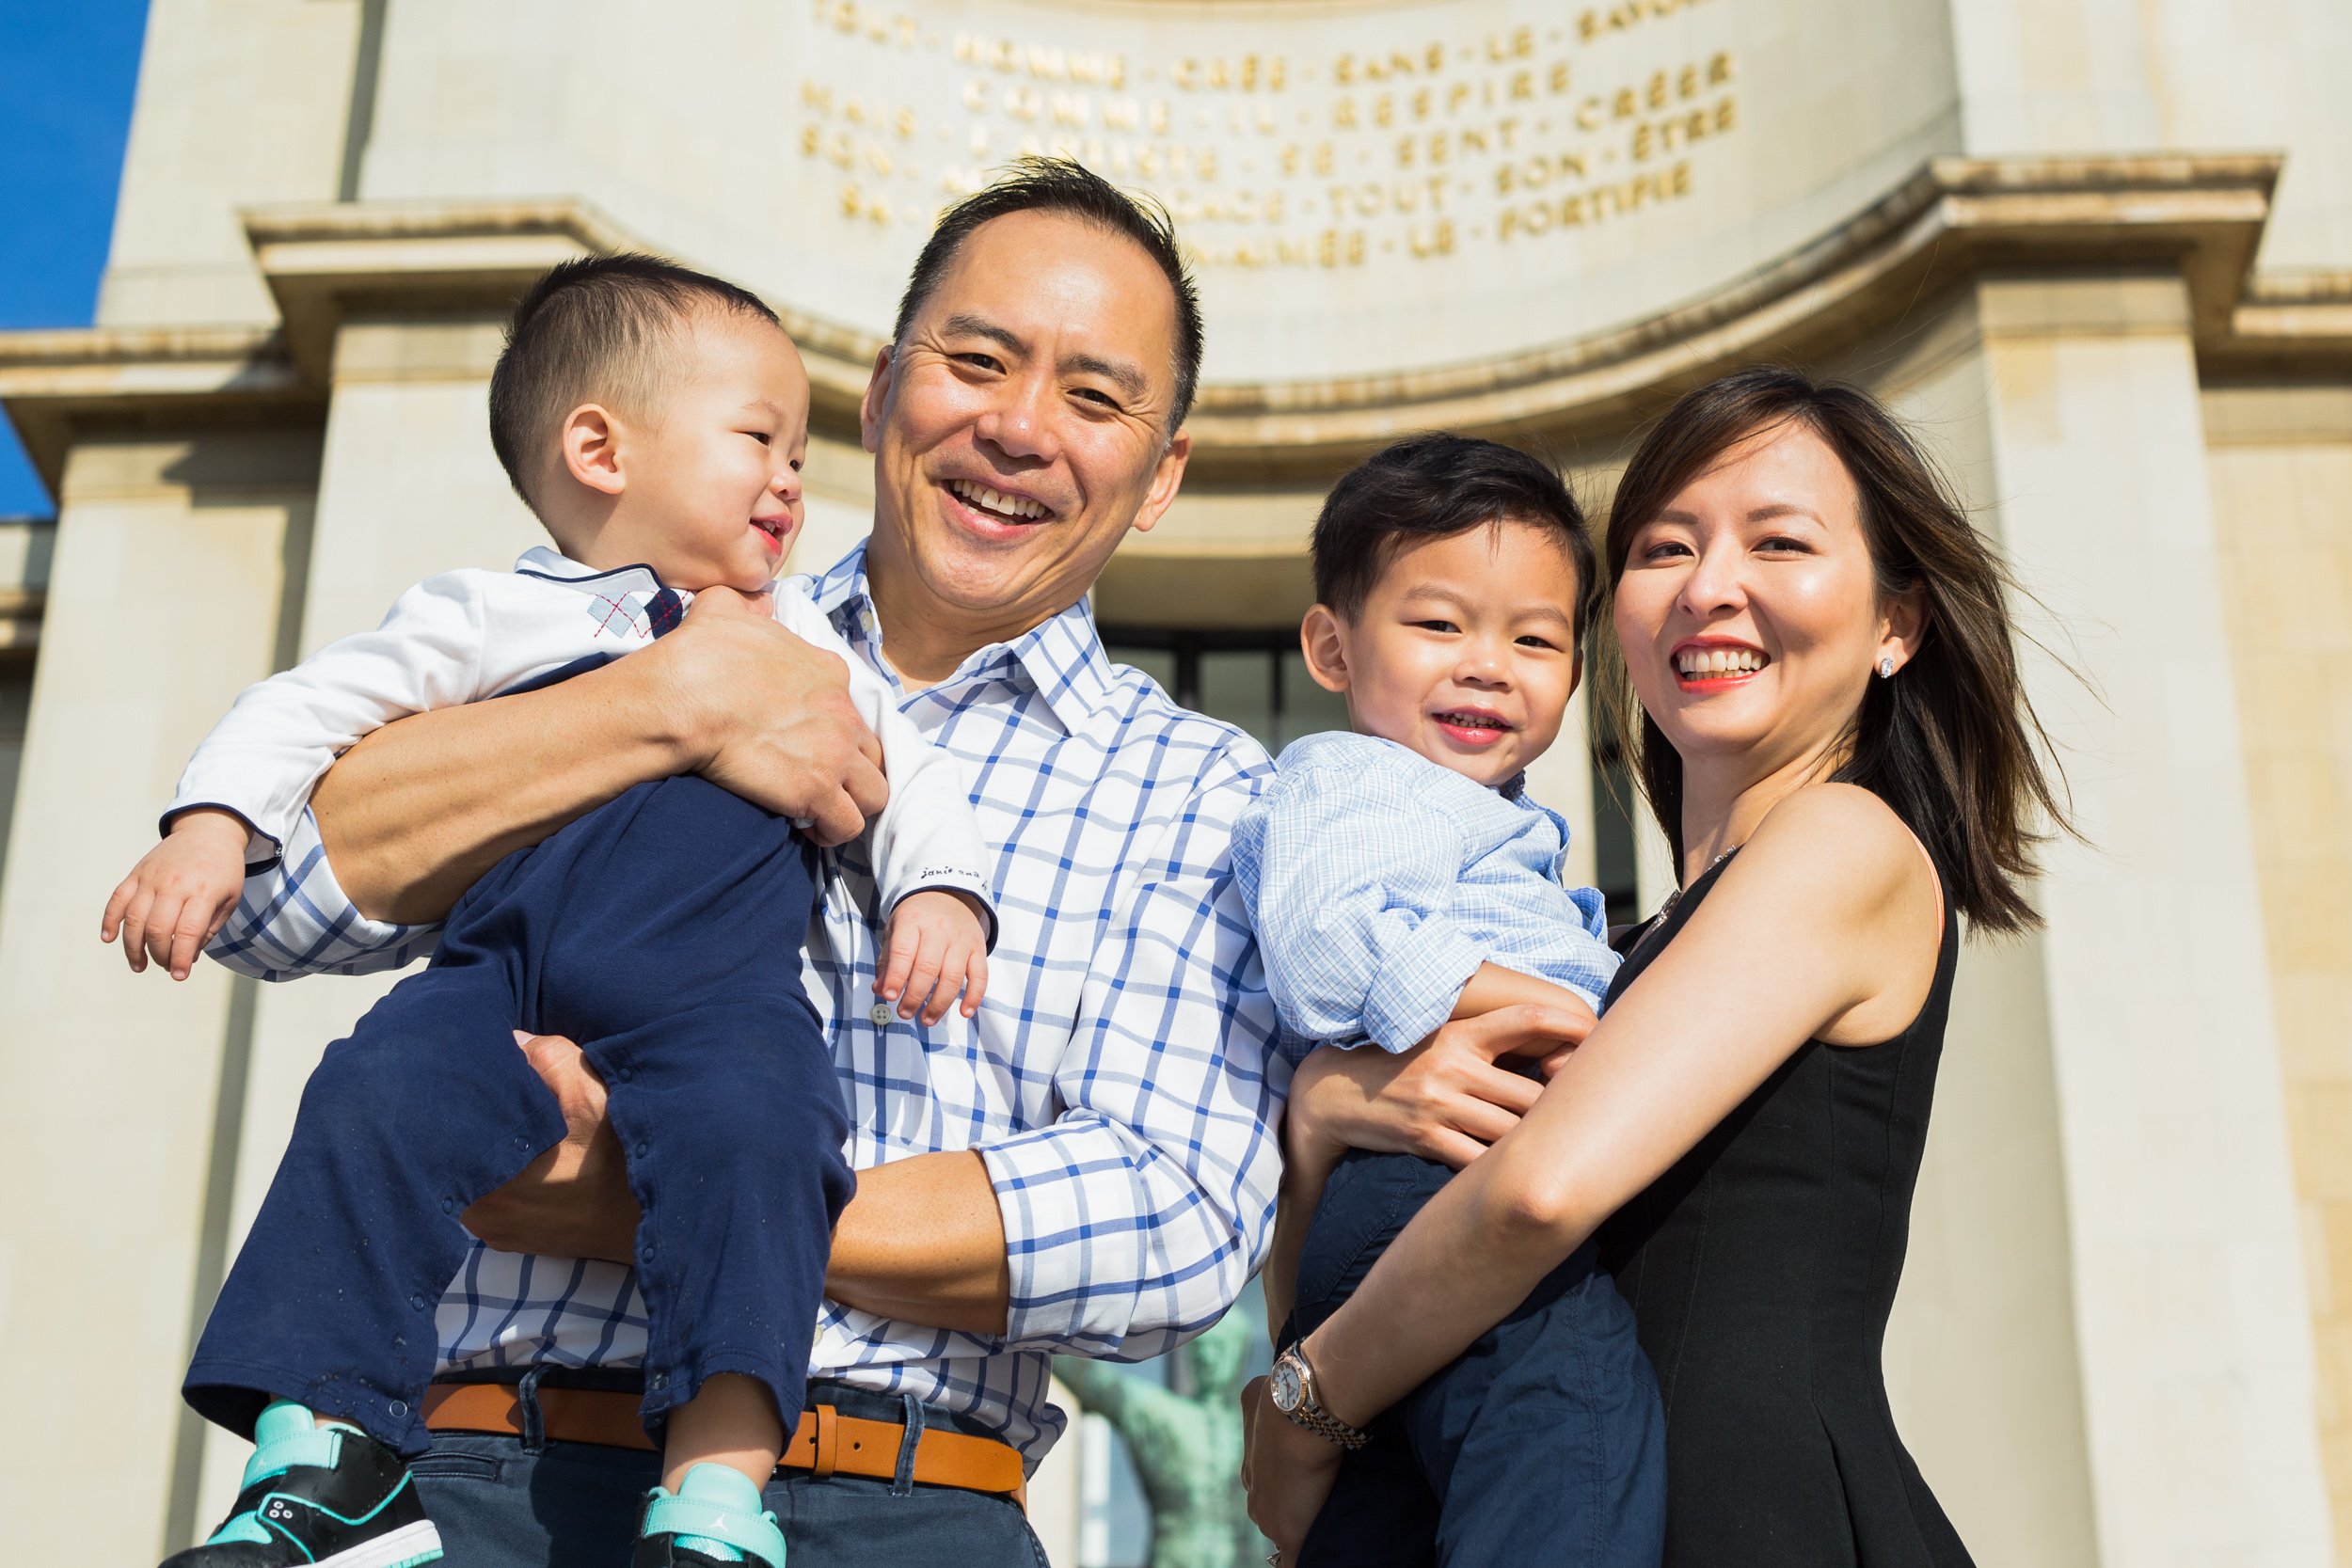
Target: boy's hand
point(935, 946)
point(179, 896)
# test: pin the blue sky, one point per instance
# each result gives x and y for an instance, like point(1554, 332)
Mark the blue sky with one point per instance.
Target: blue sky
point(67, 72)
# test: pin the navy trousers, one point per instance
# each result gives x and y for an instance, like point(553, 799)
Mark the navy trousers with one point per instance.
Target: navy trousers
point(1544, 1444)
point(664, 933)
point(532, 1502)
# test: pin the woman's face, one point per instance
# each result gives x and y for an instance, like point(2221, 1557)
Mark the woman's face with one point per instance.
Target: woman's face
point(1748, 610)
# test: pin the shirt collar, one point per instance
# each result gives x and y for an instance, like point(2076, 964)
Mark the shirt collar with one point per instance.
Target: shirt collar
point(1063, 657)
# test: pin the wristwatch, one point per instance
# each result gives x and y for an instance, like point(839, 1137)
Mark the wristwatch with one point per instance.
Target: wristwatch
point(1292, 1387)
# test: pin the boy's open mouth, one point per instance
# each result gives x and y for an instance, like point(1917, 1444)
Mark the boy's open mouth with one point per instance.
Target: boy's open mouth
point(995, 505)
point(776, 529)
point(1472, 726)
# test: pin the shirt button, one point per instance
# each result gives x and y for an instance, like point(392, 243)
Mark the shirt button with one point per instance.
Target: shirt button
point(881, 1015)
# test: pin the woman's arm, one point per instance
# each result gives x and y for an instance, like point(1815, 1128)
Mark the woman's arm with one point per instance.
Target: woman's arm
point(1730, 1000)
point(416, 812)
point(1445, 1100)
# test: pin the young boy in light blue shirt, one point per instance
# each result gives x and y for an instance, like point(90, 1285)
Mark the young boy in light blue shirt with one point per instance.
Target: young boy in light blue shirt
point(1399, 876)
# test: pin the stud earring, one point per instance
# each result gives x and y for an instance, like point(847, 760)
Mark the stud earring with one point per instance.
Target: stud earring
point(1886, 668)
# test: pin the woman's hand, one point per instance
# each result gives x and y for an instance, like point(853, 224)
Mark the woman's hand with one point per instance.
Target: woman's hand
point(574, 1200)
point(1446, 1099)
point(1287, 1470)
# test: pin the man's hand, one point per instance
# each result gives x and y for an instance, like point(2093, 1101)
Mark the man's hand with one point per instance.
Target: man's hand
point(769, 716)
point(179, 896)
point(574, 1200)
point(1446, 1099)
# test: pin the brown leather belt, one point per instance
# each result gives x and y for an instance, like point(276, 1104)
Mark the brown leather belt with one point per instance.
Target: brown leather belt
point(826, 1443)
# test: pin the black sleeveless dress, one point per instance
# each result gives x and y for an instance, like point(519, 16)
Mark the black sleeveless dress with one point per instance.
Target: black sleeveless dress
point(1760, 1269)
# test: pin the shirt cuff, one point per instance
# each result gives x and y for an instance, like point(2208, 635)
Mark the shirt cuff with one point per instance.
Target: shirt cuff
point(1074, 1213)
point(1420, 980)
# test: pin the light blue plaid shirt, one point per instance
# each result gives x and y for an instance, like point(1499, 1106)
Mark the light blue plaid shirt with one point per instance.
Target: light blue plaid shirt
point(1379, 882)
point(1121, 1081)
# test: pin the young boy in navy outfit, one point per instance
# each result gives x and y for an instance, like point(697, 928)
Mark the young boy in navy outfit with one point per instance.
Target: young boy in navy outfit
point(655, 419)
point(1398, 877)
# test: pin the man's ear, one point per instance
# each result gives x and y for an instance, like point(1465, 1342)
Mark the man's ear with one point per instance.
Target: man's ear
point(1165, 479)
point(1903, 626)
point(592, 450)
point(1322, 639)
point(876, 399)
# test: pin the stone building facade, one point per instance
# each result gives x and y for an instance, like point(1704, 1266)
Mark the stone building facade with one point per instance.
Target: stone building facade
point(2100, 252)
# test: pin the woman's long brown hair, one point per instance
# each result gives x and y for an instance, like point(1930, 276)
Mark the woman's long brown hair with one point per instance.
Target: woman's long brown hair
point(1951, 743)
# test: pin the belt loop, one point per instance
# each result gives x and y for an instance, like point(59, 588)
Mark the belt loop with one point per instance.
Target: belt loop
point(828, 1442)
point(535, 1420)
point(902, 1484)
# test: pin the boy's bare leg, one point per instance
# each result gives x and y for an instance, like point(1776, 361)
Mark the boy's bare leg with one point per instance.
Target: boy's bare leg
point(731, 1421)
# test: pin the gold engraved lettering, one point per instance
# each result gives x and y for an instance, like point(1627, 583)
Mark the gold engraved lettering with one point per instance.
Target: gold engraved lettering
point(1596, 204)
point(1654, 137)
point(1517, 45)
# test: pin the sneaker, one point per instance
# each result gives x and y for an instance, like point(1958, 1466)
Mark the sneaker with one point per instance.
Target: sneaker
point(713, 1518)
point(319, 1497)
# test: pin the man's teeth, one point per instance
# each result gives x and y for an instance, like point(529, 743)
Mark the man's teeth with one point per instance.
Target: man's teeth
point(1718, 661)
point(995, 500)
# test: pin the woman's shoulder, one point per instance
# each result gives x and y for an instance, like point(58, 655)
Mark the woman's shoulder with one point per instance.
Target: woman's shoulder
point(1842, 845)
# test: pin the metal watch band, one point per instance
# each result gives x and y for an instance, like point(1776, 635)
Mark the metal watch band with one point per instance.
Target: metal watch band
point(1311, 1413)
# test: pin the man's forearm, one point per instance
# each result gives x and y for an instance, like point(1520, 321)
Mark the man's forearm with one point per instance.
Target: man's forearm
point(924, 1242)
point(418, 811)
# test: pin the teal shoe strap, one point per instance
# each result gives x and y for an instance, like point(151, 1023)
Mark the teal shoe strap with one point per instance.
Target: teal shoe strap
point(287, 1437)
point(716, 1512)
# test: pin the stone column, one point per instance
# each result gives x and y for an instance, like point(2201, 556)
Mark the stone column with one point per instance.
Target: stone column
point(164, 601)
point(2185, 1273)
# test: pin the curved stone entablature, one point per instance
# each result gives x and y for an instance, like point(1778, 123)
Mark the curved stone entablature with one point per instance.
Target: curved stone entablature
point(1948, 219)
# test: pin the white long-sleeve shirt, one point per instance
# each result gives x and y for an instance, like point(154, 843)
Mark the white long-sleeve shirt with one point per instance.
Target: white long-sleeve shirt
point(469, 635)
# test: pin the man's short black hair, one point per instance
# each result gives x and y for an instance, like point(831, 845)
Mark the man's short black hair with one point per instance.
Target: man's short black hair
point(1063, 186)
point(1434, 486)
point(601, 329)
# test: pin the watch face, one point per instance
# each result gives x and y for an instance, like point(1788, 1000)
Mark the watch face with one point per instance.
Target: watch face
point(1283, 1386)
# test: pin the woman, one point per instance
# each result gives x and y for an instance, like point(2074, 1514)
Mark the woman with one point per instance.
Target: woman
point(1836, 741)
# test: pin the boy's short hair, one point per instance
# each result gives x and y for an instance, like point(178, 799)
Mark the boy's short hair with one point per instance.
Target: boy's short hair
point(601, 329)
point(1064, 185)
point(1434, 486)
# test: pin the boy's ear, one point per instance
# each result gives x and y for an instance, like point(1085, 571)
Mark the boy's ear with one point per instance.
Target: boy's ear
point(1322, 640)
point(592, 450)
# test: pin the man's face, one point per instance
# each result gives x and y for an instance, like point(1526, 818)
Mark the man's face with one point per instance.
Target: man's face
point(1021, 426)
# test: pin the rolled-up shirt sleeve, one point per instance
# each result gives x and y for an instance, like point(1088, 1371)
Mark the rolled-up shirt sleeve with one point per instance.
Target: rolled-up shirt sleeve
point(293, 919)
point(1349, 877)
point(1133, 1219)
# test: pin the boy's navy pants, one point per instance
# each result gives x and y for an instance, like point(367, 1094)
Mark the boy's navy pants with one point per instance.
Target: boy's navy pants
point(664, 933)
point(1545, 1443)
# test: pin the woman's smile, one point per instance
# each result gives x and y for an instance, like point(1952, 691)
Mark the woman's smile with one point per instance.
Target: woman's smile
point(1704, 664)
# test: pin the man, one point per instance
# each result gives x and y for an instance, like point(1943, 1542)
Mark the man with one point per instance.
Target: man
point(1085, 1168)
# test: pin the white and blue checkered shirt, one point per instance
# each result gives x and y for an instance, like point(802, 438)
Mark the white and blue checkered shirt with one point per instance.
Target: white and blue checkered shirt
point(1121, 1082)
point(1379, 882)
